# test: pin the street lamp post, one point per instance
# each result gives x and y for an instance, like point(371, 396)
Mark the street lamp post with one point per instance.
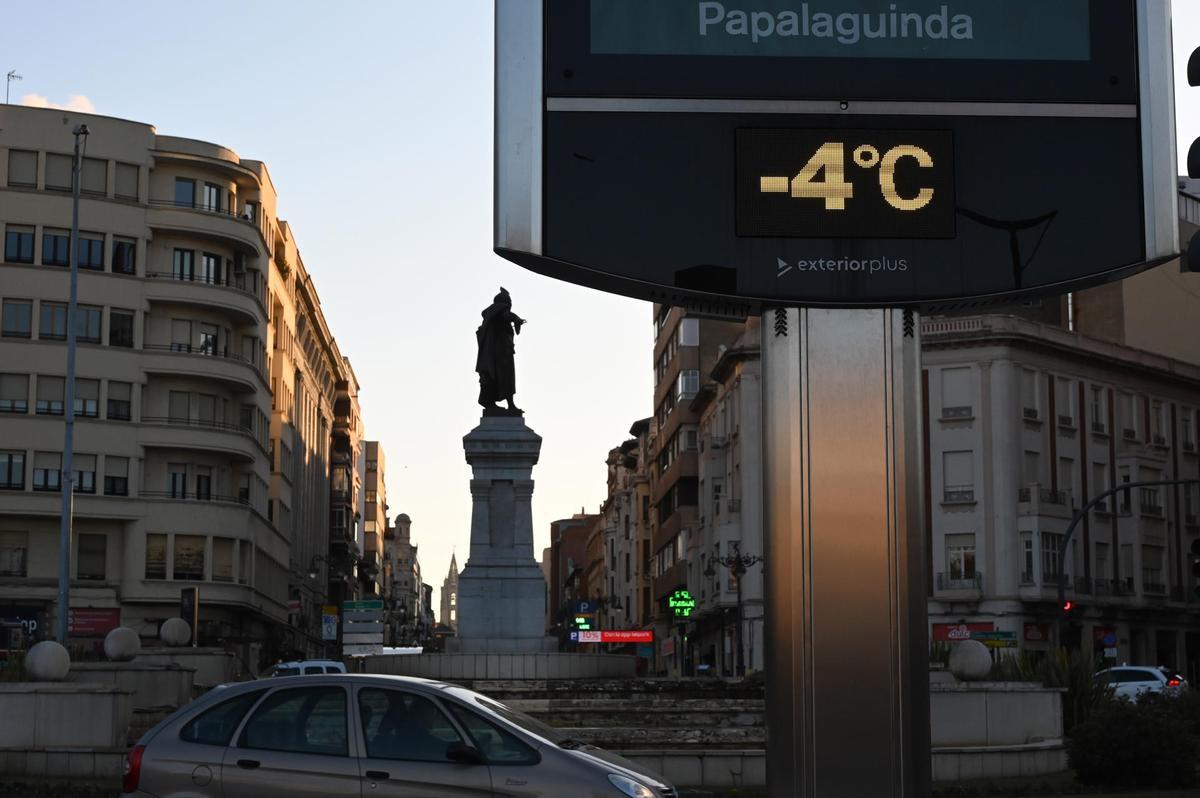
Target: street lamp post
point(738, 564)
point(66, 478)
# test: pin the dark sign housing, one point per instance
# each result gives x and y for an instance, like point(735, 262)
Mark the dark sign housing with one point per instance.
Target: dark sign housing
point(810, 152)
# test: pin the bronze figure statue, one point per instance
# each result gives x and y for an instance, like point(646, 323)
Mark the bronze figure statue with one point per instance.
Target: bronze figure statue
point(497, 374)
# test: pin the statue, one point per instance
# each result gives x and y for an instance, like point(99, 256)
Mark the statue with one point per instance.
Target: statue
point(497, 374)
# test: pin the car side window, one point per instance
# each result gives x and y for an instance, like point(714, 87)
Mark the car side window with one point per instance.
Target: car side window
point(1118, 676)
point(305, 720)
point(311, 669)
point(499, 747)
point(216, 725)
point(399, 725)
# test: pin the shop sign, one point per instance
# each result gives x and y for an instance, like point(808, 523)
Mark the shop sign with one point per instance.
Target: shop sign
point(955, 632)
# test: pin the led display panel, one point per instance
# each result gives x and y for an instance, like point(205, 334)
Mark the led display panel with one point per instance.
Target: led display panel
point(849, 153)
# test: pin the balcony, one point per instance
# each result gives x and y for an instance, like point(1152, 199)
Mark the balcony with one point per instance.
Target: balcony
point(231, 293)
point(1189, 447)
point(1083, 585)
point(219, 223)
point(1150, 503)
point(1102, 587)
point(1031, 414)
point(185, 496)
point(207, 363)
point(962, 413)
point(955, 587)
point(1102, 507)
point(735, 505)
point(1099, 428)
point(1066, 422)
point(1159, 440)
point(200, 435)
point(671, 580)
point(1129, 434)
point(1038, 501)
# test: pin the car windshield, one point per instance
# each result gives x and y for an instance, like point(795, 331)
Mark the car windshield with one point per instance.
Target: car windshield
point(518, 719)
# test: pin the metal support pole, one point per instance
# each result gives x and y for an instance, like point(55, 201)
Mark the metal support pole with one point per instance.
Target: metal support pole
point(1080, 514)
point(847, 653)
point(741, 656)
point(67, 474)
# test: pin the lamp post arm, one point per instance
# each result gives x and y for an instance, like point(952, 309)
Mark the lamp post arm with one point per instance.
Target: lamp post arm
point(1082, 512)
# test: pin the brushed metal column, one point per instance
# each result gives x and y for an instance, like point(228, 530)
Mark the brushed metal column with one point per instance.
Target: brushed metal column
point(847, 672)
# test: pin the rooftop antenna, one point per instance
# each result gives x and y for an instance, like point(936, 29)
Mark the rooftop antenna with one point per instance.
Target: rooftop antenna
point(9, 78)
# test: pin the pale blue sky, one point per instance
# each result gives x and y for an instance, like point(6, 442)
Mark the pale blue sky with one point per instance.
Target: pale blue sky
point(375, 119)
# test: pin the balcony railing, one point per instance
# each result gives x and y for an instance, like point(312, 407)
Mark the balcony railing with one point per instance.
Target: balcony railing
point(1083, 585)
point(1044, 495)
point(735, 505)
point(1153, 587)
point(957, 413)
point(1030, 414)
point(244, 216)
point(198, 423)
point(1129, 434)
point(1101, 507)
point(958, 494)
point(235, 281)
point(1066, 421)
point(1102, 587)
point(201, 351)
point(1027, 578)
point(947, 581)
point(1099, 428)
point(1189, 446)
point(183, 495)
point(1160, 440)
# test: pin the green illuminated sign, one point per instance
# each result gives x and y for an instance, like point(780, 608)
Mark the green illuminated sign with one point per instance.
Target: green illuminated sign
point(583, 623)
point(681, 604)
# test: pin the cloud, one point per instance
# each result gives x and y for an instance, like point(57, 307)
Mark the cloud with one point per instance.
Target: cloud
point(76, 102)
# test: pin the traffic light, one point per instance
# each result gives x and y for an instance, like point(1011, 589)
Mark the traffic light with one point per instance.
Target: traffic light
point(1195, 558)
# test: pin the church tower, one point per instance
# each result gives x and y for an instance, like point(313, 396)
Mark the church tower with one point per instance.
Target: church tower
point(449, 613)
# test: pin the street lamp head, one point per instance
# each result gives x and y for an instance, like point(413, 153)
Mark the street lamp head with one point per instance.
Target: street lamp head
point(81, 130)
point(709, 571)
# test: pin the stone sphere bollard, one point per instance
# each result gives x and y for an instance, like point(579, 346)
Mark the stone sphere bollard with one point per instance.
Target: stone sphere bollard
point(970, 661)
point(175, 632)
point(122, 644)
point(47, 661)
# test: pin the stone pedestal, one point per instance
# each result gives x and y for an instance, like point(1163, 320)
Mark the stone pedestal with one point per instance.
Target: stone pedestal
point(502, 592)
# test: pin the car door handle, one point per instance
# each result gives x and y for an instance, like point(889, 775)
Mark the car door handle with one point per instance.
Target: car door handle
point(248, 764)
point(515, 782)
point(378, 775)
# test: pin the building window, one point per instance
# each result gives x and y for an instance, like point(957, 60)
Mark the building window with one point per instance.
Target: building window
point(212, 197)
point(120, 328)
point(50, 396)
point(689, 332)
point(177, 480)
point(956, 393)
point(1027, 577)
point(93, 176)
point(90, 252)
point(91, 555)
point(58, 171)
point(208, 339)
point(12, 470)
point(83, 466)
point(958, 476)
point(189, 557)
point(1064, 400)
point(1050, 559)
point(18, 244)
point(53, 326)
point(203, 483)
point(244, 489)
point(183, 263)
point(119, 404)
point(960, 558)
point(14, 553)
point(47, 471)
point(127, 181)
point(87, 398)
point(116, 476)
point(14, 393)
point(1029, 393)
point(222, 561)
point(689, 384)
point(87, 324)
point(181, 335)
point(210, 268)
point(179, 407)
point(22, 168)
point(124, 256)
point(185, 192)
point(56, 248)
point(156, 556)
point(1099, 409)
point(16, 318)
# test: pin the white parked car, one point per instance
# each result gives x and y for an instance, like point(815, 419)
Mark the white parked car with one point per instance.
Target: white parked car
point(307, 667)
point(1130, 681)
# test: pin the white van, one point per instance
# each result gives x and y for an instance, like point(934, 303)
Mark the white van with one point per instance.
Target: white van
point(307, 667)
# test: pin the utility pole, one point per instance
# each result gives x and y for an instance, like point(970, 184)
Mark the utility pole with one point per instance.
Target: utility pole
point(67, 475)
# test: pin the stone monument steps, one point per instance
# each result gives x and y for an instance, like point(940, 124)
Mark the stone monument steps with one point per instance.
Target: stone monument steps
point(620, 690)
point(638, 704)
point(606, 716)
point(625, 739)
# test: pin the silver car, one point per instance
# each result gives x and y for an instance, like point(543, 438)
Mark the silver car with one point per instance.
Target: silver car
point(365, 735)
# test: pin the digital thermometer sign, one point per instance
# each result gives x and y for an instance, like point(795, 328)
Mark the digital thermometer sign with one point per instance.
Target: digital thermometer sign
point(845, 183)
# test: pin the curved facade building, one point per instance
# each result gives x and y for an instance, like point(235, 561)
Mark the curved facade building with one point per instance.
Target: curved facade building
point(204, 398)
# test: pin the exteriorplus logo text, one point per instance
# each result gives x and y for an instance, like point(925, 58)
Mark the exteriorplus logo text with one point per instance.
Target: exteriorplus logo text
point(865, 266)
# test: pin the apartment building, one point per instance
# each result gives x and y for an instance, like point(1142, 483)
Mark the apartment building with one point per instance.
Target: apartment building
point(730, 526)
point(408, 603)
point(685, 349)
point(204, 382)
point(372, 570)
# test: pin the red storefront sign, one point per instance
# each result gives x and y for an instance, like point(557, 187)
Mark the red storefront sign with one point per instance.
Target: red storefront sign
point(92, 621)
point(1037, 633)
point(955, 632)
point(634, 636)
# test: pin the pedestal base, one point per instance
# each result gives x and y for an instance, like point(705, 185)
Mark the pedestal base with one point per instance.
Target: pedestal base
point(502, 608)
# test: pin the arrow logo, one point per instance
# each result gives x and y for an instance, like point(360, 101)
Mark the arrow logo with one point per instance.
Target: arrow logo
point(784, 267)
